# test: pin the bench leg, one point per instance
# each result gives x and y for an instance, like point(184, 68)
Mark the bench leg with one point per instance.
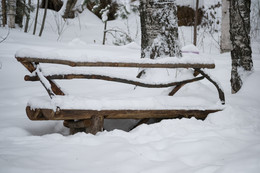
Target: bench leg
point(93, 125)
point(96, 124)
point(77, 126)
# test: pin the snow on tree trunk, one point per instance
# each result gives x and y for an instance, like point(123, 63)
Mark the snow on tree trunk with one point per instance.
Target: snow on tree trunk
point(241, 52)
point(225, 43)
point(11, 13)
point(159, 26)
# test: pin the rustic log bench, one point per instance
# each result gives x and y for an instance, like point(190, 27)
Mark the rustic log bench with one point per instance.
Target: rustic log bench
point(90, 119)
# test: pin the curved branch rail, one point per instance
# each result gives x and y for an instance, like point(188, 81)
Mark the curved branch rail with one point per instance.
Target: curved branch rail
point(114, 79)
point(220, 92)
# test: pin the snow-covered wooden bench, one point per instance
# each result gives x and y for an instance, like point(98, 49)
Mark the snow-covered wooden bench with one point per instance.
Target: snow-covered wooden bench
point(86, 114)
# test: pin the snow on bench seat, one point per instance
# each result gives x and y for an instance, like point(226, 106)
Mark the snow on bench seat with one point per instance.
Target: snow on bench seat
point(130, 103)
point(138, 108)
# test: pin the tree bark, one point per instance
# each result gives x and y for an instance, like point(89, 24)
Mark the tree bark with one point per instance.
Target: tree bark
point(12, 13)
point(52, 4)
point(69, 13)
point(159, 27)
point(19, 13)
point(195, 23)
point(4, 14)
point(241, 52)
point(36, 17)
point(28, 11)
point(225, 42)
point(44, 17)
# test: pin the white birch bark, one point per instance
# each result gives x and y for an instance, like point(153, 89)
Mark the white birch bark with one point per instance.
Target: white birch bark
point(159, 26)
point(11, 13)
point(241, 52)
point(225, 43)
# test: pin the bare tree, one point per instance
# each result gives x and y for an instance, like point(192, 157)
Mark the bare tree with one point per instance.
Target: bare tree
point(225, 43)
point(241, 52)
point(36, 17)
point(159, 27)
point(28, 10)
point(196, 23)
point(4, 14)
point(19, 12)
point(44, 17)
point(11, 13)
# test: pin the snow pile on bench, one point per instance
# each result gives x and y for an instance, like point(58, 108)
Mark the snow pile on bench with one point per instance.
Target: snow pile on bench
point(128, 103)
point(109, 54)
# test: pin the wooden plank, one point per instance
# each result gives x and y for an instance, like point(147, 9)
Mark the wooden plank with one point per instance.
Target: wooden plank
point(65, 114)
point(29, 66)
point(35, 114)
point(114, 79)
point(116, 64)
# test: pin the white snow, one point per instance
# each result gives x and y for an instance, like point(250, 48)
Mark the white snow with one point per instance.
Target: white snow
point(108, 54)
point(226, 142)
point(126, 103)
point(190, 49)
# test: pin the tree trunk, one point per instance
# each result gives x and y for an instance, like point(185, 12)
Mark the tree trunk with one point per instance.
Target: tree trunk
point(4, 7)
point(69, 13)
point(27, 16)
point(241, 52)
point(225, 43)
point(52, 4)
point(196, 23)
point(44, 17)
point(11, 13)
point(19, 13)
point(36, 17)
point(159, 26)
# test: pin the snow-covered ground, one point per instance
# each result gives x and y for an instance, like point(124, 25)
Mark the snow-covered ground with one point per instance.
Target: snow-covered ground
point(226, 142)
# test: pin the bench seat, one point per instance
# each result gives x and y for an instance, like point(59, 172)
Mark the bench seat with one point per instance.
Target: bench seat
point(71, 107)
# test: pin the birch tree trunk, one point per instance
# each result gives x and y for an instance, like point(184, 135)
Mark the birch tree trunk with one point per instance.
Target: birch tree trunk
point(27, 14)
point(159, 27)
point(4, 19)
point(11, 13)
point(225, 43)
point(241, 52)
